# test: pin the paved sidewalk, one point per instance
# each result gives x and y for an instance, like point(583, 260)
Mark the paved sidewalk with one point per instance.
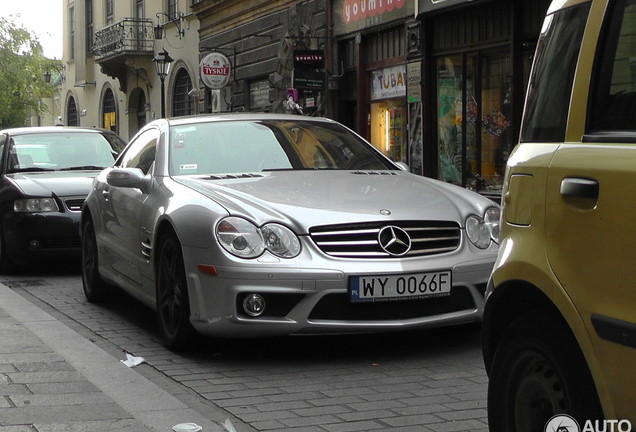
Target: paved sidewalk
point(52, 379)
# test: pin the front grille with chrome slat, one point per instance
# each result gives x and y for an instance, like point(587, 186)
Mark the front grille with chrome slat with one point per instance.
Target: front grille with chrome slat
point(361, 240)
point(74, 204)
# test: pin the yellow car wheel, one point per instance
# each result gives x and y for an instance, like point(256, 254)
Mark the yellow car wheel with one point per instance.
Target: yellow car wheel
point(532, 376)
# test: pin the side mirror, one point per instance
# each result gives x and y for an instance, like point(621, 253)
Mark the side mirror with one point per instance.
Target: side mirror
point(403, 166)
point(129, 178)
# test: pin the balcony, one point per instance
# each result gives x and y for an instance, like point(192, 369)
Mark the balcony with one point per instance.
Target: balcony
point(117, 45)
point(126, 37)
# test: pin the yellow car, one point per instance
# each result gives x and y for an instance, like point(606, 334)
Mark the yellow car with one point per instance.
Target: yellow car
point(559, 329)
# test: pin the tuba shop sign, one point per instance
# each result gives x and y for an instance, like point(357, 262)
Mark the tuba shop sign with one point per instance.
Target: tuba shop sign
point(388, 83)
point(215, 70)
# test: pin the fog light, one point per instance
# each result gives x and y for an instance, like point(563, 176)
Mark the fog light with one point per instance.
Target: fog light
point(34, 244)
point(254, 305)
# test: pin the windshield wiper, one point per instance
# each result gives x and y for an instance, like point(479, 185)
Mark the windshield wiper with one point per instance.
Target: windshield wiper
point(83, 167)
point(30, 169)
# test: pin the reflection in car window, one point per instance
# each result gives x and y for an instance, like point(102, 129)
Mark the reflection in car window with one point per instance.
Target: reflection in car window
point(245, 147)
point(614, 89)
point(550, 87)
point(141, 153)
point(61, 151)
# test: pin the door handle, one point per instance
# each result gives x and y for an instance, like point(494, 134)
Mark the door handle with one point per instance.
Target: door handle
point(106, 194)
point(580, 187)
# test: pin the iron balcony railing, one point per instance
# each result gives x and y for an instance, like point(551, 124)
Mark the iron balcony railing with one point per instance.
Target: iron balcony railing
point(127, 36)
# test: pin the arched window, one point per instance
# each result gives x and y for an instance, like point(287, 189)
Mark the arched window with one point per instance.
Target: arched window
point(71, 113)
point(182, 104)
point(141, 110)
point(109, 111)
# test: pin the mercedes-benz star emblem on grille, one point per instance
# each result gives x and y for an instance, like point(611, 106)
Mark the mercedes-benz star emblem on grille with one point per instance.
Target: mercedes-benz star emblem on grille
point(394, 240)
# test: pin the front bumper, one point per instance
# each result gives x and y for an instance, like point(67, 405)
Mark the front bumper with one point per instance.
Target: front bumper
point(33, 237)
point(316, 300)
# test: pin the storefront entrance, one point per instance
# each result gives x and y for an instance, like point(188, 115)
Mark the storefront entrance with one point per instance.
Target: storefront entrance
point(474, 117)
point(388, 128)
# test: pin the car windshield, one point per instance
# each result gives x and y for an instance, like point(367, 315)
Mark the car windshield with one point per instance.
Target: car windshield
point(62, 151)
point(271, 145)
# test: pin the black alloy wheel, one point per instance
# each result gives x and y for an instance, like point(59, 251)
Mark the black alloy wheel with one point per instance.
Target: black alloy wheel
point(173, 304)
point(95, 289)
point(6, 264)
point(539, 371)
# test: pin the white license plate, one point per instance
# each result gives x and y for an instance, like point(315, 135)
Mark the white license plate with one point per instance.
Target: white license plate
point(400, 287)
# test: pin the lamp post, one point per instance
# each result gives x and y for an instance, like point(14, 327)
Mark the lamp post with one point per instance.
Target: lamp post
point(162, 66)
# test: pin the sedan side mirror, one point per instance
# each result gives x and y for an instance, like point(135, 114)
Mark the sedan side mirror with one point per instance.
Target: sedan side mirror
point(403, 166)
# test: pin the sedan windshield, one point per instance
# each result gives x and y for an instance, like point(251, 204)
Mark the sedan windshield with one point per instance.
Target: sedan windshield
point(62, 151)
point(272, 145)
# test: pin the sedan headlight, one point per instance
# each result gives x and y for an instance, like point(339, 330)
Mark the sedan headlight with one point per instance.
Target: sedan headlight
point(245, 240)
point(481, 230)
point(35, 205)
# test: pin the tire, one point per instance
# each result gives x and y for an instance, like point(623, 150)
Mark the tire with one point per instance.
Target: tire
point(95, 289)
point(6, 263)
point(173, 302)
point(539, 371)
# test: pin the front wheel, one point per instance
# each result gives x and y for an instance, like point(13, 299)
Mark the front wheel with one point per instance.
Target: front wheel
point(95, 289)
point(6, 263)
point(539, 371)
point(173, 304)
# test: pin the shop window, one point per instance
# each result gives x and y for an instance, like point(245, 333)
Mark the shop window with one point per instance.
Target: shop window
point(388, 128)
point(388, 117)
point(474, 137)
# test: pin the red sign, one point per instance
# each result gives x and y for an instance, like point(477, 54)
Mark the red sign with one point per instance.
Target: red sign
point(355, 10)
point(215, 70)
point(211, 70)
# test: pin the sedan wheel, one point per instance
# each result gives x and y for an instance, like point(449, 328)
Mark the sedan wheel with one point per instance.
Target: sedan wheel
point(539, 371)
point(173, 304)
point(95, 289)
point(6, 264)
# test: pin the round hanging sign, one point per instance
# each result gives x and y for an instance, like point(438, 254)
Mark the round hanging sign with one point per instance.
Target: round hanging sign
point(215, 70)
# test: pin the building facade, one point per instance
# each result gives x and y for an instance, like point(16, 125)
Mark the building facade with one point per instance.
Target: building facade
point(273, 47)
point(435, 84)
point(477, 57)
point(110, 78)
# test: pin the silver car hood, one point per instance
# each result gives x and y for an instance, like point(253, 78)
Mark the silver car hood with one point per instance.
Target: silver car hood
point(309, 198)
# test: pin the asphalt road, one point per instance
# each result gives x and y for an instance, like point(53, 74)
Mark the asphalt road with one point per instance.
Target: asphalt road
point(431, 380)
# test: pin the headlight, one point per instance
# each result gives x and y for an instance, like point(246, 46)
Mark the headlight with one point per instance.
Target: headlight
point(280, 241)
point(481, 231)
point(245, 240)
point(240, 238)
point(35, 205)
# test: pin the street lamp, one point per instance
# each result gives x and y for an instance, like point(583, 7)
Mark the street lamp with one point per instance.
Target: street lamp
point(162, 66)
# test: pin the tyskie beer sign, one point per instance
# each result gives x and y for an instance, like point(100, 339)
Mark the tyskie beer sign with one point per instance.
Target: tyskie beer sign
point(216, 70)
